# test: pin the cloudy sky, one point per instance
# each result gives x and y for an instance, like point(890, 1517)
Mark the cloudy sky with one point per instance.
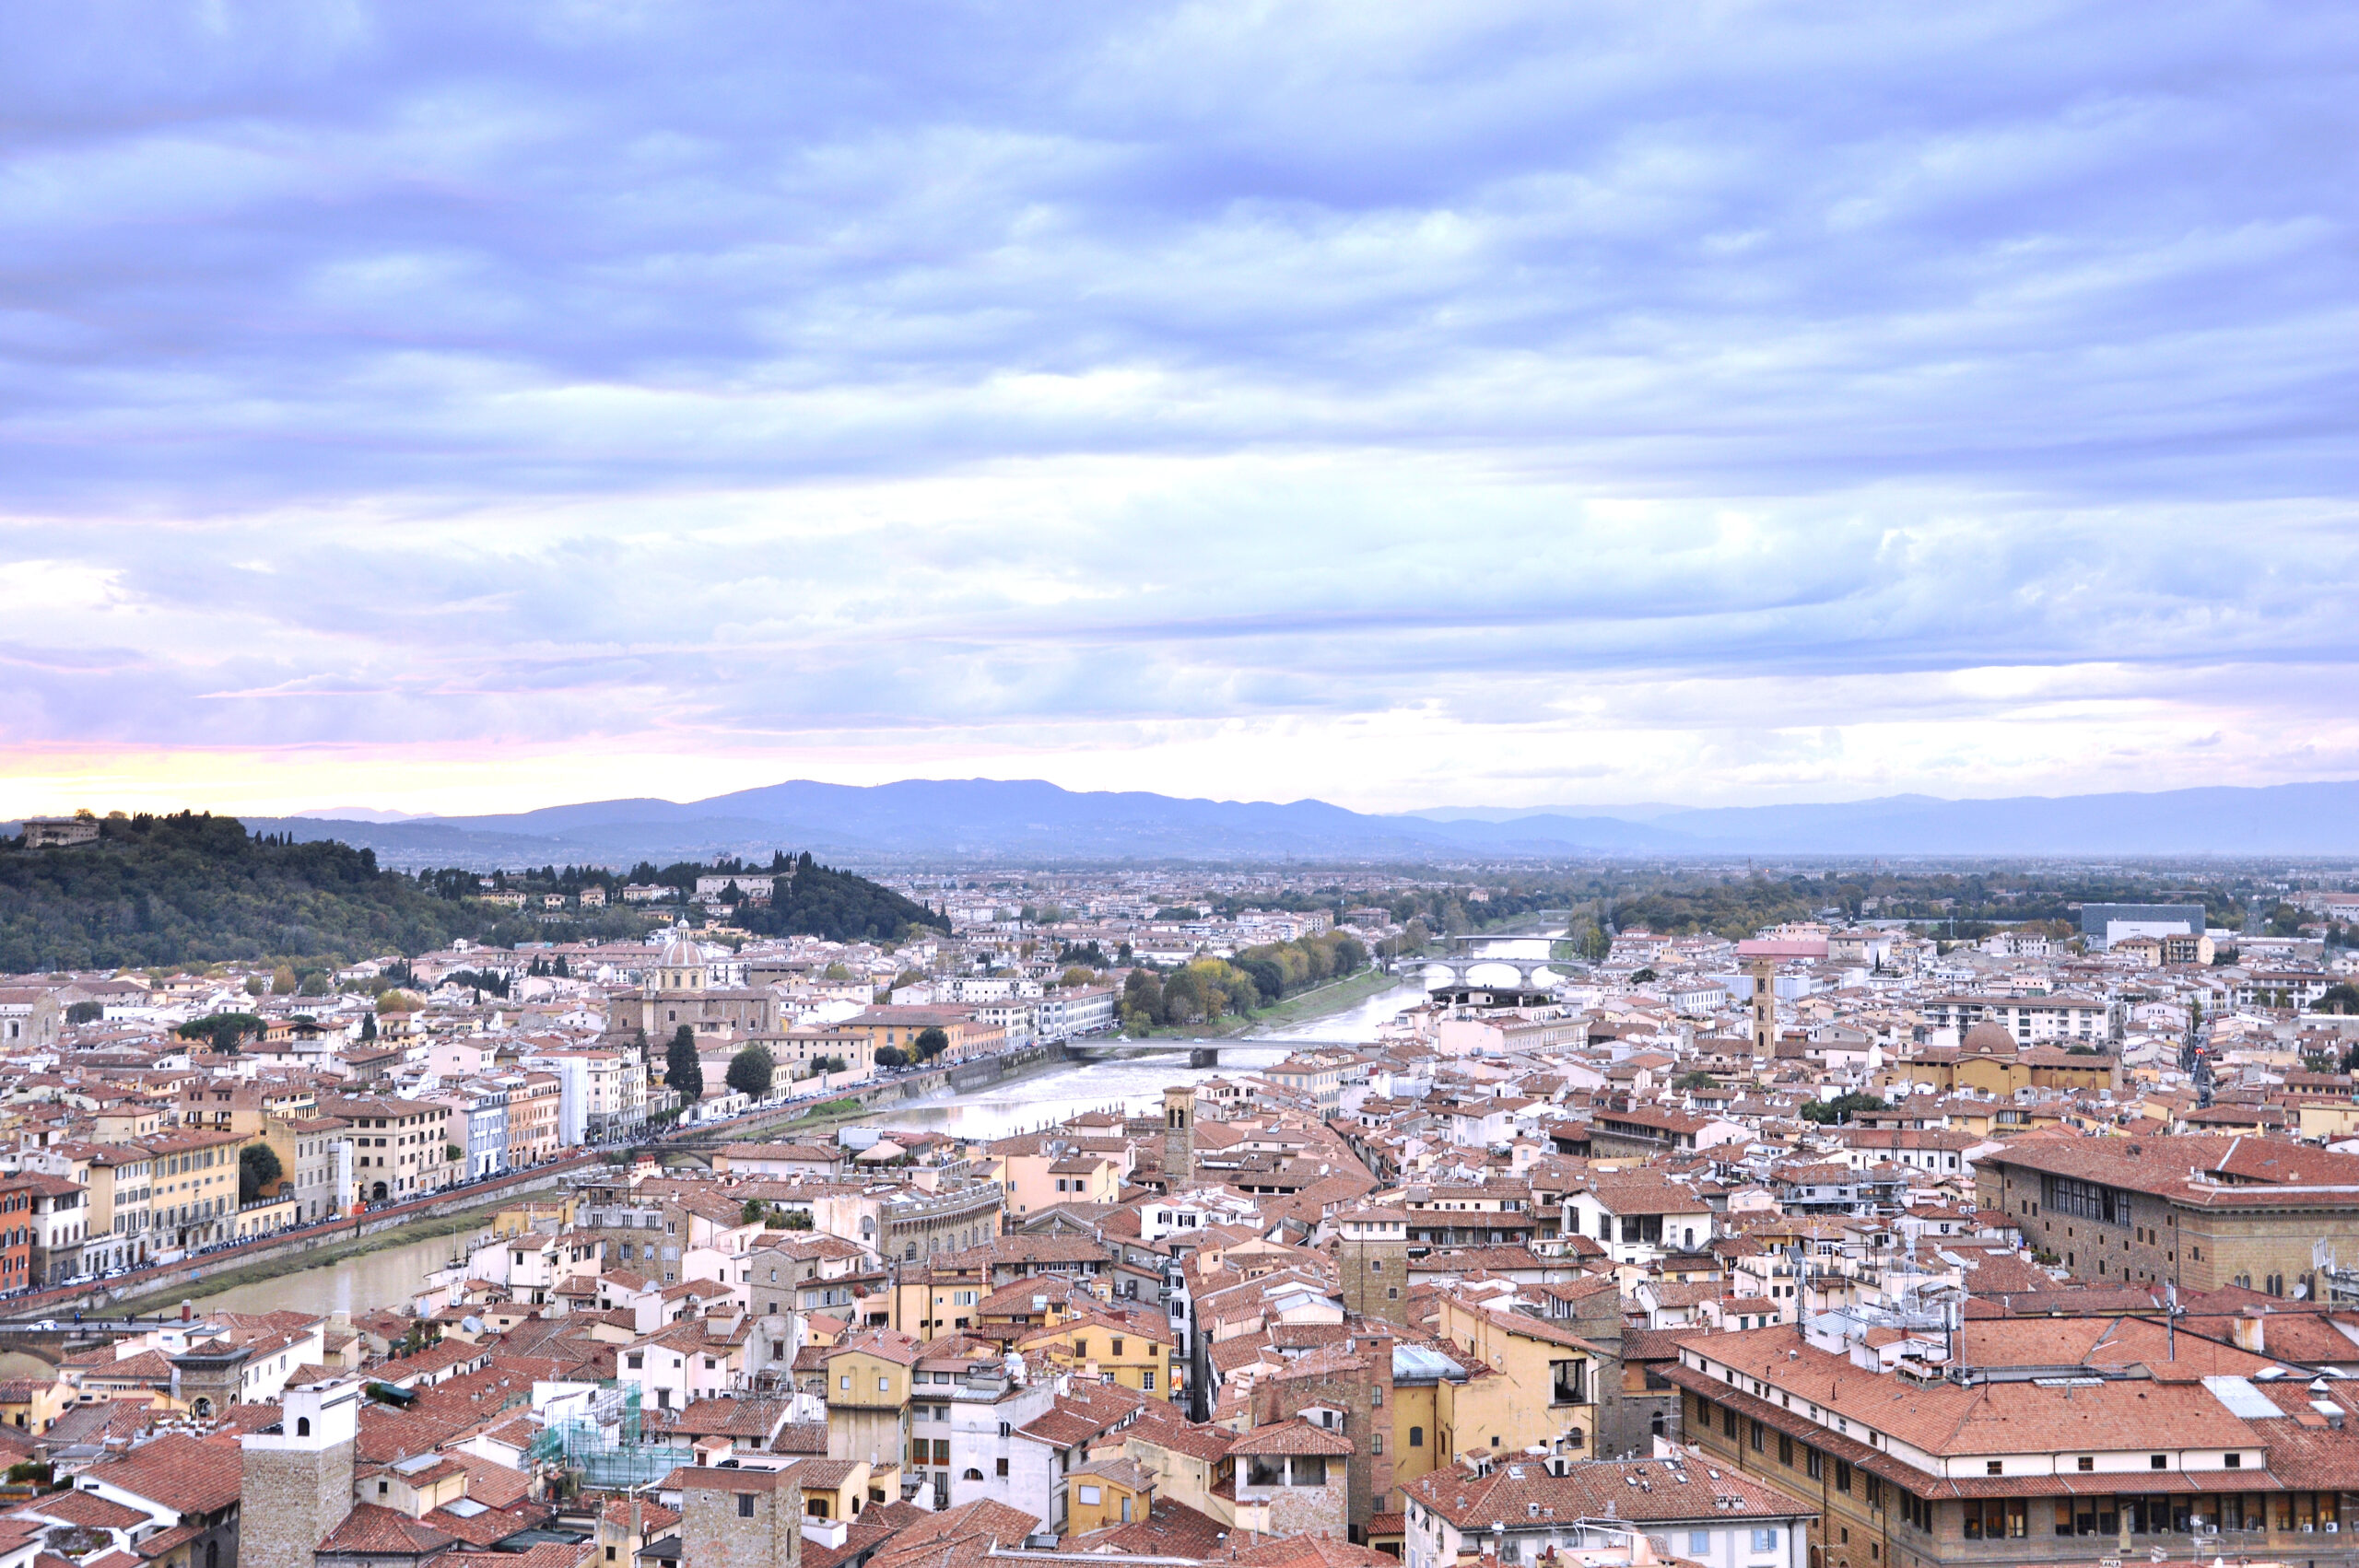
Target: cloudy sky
point(471, 406)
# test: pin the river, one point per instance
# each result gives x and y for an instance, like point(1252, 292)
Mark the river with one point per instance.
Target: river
point(387, 1278)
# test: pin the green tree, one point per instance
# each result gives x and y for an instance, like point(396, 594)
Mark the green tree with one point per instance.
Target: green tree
point(931, 1043)
point(2342, 996)
point(683, 1074)
point(85, 1011)
point(750, 1071)
point(1142, 1000)
point(1699, 1080)
point(223, 1031)
point(1840, 1109)
point(368, 1026)
point(258, 1169)
point(753, 1213)
point(892, 1056)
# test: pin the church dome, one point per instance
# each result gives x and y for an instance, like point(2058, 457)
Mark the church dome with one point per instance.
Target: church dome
point(682, 952)
point(1988, 1038)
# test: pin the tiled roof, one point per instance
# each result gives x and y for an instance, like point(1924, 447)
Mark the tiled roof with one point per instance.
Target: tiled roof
point(186, 1475)
point(1644, 1489)
point(1291, 1437)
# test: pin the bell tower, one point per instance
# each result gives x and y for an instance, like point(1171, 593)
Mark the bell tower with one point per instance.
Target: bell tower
point(1764, 1008)
point(1179, 1137)
point(298, 1476)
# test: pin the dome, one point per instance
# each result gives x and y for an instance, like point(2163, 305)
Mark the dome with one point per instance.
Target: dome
point(682, 952)
point(1988, 1039)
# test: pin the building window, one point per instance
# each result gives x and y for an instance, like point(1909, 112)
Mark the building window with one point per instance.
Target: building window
point(1416, 1437)
point(745, 1505)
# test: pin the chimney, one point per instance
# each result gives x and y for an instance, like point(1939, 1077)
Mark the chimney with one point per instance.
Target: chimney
point(2245, 1330)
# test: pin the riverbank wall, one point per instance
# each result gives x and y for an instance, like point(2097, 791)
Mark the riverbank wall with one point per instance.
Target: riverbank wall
point(198, 1276)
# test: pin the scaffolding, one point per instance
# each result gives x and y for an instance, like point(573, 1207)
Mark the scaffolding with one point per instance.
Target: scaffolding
point(604, 1444)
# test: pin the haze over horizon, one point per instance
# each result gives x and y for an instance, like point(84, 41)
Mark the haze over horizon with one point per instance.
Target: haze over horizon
point(455, 410)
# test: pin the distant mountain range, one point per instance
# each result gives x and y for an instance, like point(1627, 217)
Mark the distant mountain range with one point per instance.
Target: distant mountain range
point(1027, 820)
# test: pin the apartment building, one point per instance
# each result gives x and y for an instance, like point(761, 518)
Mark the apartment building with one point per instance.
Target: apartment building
point(2197, 1212)
point(193, 1189)
point(1922, 1440)
point(401, 1148)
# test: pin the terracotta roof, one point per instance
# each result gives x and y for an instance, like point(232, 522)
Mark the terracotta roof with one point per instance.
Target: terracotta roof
point(1291, 1437)
point(186, 1475)
point(1652, 1490)
point(369, 1528)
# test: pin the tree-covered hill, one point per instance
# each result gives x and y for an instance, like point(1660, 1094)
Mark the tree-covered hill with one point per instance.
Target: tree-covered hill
point(821, 901)
point(195, 889)
point(190, 888)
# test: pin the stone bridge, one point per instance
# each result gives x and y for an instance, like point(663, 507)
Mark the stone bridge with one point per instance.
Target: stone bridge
point(1460, 965)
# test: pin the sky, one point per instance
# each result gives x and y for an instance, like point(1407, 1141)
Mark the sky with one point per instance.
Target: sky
point(470, 407)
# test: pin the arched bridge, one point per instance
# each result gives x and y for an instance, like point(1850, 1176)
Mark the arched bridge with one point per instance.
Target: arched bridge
point(1460, 965)
point(1200, 1053)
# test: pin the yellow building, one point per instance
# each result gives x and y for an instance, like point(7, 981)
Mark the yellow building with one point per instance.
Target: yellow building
point(1416, 1427)
point(33, 1404)
point(2328, 1120)
point(523, 1218)
point(939, 1297)
point(1132, 1349)
point(262, 1217)
point(1529, 1382)
point(838, 1489)
point(1107, 1492)
point(868, 1395)
point(192, 1191)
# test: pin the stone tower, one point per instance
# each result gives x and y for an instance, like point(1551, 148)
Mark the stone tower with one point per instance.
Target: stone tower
point(297, 1476)
point(1179, 1137)
point(1765, 1009)
point(742, 1518)
point(1372, 1256)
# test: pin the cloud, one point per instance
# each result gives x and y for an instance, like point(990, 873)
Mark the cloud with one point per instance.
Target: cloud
point(1299, 398)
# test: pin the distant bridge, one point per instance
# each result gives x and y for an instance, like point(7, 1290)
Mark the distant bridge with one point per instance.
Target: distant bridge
point(1200, 1053)
point(1460, 965)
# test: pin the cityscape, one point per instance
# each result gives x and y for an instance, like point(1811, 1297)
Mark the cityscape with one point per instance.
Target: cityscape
point(1190, 784)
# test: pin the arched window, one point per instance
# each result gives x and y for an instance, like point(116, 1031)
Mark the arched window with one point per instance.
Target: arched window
point(302, 1426)
point(213, 1554)
point(1416, 1437)
point(972, 1475)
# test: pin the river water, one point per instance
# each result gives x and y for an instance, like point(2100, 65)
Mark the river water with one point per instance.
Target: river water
point(386, 1279)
